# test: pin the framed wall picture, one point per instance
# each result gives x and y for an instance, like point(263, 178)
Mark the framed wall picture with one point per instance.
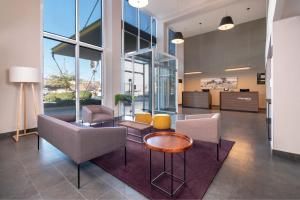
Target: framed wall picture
point(261, 78)
point(219, 83)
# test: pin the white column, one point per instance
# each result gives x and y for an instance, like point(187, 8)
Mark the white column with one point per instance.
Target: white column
point(285, 85)
point(112, 16)
point(180, 57)
point(162, 39)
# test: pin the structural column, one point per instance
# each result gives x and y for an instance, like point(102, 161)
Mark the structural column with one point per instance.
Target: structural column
point(112, 74)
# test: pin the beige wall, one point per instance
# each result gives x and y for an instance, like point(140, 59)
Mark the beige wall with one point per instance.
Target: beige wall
point(244, 81)
point(19, 45)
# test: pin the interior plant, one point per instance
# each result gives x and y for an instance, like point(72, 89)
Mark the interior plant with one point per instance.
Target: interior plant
point(122, 98)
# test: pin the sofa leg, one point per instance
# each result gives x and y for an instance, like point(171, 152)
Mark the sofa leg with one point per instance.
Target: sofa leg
point(113, 123)
point(38, 142)
point(78, 176)
point(217, 152)
point(125, 155)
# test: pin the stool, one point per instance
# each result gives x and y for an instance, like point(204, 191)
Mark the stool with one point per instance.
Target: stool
point(161, 121)
point(143, 117)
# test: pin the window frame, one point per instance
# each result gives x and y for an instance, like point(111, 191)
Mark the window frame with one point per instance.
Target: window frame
point(78, 44)
point(139, 29)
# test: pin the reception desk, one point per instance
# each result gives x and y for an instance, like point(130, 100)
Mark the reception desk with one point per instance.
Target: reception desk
point(239, 101)
point(196, 99)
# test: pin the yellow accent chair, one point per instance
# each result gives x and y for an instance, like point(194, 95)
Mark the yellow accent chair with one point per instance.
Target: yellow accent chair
point(162, 121)
point(143, 117)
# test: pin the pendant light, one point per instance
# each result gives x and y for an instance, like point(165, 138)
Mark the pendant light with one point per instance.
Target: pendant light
point(178, 38)
point(226, 23)
point(138, 3)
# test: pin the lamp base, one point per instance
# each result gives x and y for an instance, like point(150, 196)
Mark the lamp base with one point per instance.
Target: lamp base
point(16, 137)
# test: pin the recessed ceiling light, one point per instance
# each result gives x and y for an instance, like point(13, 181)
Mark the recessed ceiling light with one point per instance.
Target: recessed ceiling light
point(237, 69)
point(191, 73)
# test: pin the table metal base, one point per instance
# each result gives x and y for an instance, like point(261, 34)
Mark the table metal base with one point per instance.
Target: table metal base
point(172, 191)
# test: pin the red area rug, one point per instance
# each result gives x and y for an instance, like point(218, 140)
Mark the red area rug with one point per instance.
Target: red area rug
point(201, 168)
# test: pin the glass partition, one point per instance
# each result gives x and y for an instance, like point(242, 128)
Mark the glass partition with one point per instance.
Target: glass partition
point(150, 78)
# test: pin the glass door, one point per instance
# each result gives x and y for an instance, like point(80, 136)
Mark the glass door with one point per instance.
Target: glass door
point(147, 71)
point(141, 84)
point(165, 84)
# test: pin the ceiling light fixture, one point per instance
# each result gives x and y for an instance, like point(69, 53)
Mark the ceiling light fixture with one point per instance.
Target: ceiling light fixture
point(178, 38)
point(237, 69)
point(226, 23)
point(191, 73)
point(138, 3)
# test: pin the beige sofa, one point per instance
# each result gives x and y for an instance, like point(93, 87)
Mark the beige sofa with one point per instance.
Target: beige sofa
point(81, 144)
point(203, 127)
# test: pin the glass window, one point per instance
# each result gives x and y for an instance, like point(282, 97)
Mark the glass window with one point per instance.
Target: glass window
point(145, 22)
point(130, 42)
point(172, 46)
point(59, 17)
point(145, 43)
point(59, 78)
point(130, 14)
point(60, 86)
point(144, 32)
point(90, 87)
point(154, 32)
point(91, 21)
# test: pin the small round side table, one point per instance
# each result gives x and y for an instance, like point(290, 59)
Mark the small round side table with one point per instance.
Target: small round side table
point(172, 143)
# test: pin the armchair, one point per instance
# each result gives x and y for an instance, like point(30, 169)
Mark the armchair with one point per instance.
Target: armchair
point(203, 127)
point(97, 114)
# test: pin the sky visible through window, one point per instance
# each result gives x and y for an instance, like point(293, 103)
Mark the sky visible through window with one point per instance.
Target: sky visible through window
point(59, 19)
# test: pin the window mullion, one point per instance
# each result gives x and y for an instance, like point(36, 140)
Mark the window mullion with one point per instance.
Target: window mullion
point(139, 29)
point(77, 69)
point(58, 38)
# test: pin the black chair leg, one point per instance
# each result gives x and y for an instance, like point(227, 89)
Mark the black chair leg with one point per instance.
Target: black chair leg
point(125, 156)
point(38, 142)
point(78, 176)
point(220, 142)
point(217, 152)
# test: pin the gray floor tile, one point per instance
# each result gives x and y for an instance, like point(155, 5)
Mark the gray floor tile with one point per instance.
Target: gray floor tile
point(62, 190)
point(250, 171)
point(112, 195)
point(94, 189)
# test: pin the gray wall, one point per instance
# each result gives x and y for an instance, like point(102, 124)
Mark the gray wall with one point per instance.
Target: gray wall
point(212, 52)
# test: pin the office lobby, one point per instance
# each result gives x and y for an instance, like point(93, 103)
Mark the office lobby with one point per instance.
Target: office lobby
point(149, 99)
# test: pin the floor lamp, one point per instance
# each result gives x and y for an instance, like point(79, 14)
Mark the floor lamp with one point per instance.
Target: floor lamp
point(24, 76)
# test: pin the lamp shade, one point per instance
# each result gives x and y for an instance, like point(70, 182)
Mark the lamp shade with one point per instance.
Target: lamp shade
point(226, 23)
point(23, 74)
point(178, 38)
point(138, 3)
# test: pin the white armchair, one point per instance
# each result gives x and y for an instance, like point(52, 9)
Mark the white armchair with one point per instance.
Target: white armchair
point(203, 127)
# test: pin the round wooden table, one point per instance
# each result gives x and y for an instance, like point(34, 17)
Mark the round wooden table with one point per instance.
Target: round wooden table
point(168, 142)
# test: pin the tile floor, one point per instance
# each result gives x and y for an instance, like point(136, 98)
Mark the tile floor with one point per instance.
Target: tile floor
point(250, 172)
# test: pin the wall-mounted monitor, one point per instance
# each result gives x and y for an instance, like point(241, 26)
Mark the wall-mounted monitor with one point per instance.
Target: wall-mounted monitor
point(244, 90)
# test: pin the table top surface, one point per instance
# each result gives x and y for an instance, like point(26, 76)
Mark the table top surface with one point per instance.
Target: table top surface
point(169, 142)
point(135, 125)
